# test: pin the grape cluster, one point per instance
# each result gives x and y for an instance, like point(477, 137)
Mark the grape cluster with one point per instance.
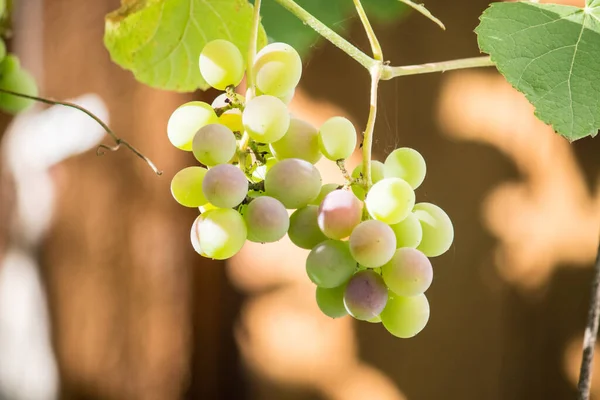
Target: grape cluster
point(369, 247)
point(15, 79)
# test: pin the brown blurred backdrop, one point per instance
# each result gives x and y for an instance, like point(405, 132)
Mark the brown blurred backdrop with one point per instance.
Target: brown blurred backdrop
point(136, 314)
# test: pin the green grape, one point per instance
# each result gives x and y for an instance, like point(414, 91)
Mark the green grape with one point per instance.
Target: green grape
point(376, 176)
point(9, 64)
point(267, 220)
point(390, 200)
point(187, 120)
point(219, 233)
point(438, 232)
point(225, 186)
point(223, 100)
point(277, 69)
point(408, 232)
point(300, 141)
point(266, 119)
point(260, 171)
point(372, 243)
point(233, 120)
point(337, 138)
point(404, 317)
point(287, 97)
point(366, 295)
point(329, 264)
point(409, 272)
point(294, 182)
point(339, 212)
point(331, 301)
point(304, 231)
point(2, 48)
point(408, 164)
point(194, 238)
point(186, 187)
point(375, 320)
point(207, 207)
point(16, 80)
point(325, 190)
point(214, 144)
point(221, 64)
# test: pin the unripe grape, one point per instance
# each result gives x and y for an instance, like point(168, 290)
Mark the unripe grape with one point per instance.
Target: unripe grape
point(372, 243)
point(331, 301)
point(287, 97)
point(219, 233)
point(339, 212)
point(223, 100)
point(366, 295)
point(294, 182)
point(221, 64)
point(187, 120)
point(407, 164)
point(260, 171)
point(329, 264)
point(16, 80)
point(404, 317)
point(408, 232)
point(186, 187)
point(438, 232)
point(408, 273)
point(325, 190)
point(337, 138)
point(390, 200)
point(232, 119)
point(304, 231)
point(377, 174)
point(214, 144)
point(266, 119)
point(277, 69)
point(267, 220)
point(2, 44)
point(225, 186)
point(300, 141)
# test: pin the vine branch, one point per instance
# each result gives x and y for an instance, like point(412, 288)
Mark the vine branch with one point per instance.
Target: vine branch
point(118, 141)
point(443, 66)
point(589, 339)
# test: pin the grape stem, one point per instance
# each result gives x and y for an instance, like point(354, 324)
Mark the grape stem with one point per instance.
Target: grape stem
point(375, 46)
point(378, 69)
point(252, 50)
point(589, 339)
point(367, 143)
point(118, 141)
point(342, 166)
point(251, 92)
point(421, 8)
point(388, 72)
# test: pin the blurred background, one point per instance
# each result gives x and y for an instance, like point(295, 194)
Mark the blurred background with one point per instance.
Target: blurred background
point(102, 296)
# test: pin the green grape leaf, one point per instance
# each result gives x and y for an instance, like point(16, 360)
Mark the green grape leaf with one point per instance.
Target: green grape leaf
point(550, 53)
point(160, 40)
point(283, 26)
